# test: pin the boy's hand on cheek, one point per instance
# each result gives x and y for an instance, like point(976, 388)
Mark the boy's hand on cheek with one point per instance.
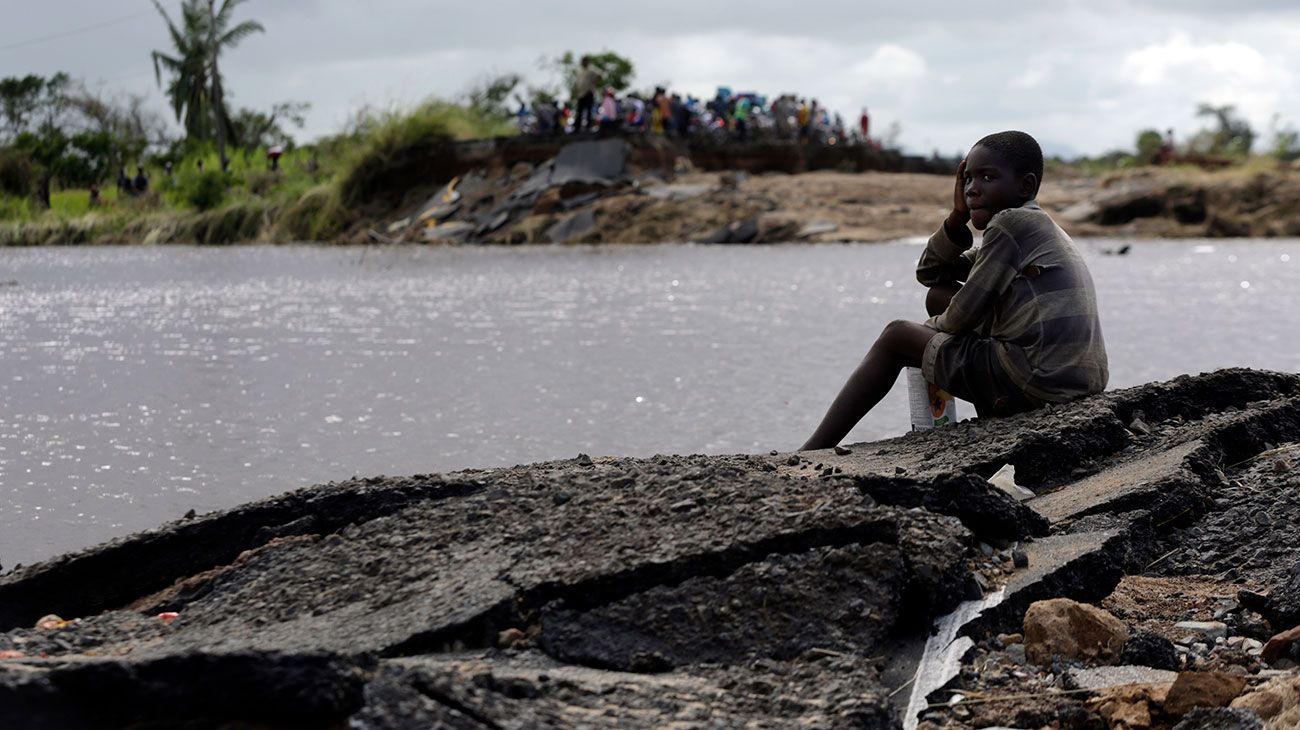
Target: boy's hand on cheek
point(960, 214)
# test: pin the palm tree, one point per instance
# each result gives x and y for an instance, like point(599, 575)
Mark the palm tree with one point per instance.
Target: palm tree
point(195, 88)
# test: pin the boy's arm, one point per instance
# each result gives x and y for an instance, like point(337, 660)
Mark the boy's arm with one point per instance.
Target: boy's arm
point(989, 278)
point(947, 258)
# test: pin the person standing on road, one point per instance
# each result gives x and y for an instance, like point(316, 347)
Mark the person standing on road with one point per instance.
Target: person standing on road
point(584, 90)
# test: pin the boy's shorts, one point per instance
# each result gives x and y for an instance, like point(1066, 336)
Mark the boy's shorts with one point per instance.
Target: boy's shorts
point(968, 367)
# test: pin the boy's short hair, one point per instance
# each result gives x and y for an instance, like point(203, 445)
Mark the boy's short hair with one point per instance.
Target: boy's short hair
point(1018, 149)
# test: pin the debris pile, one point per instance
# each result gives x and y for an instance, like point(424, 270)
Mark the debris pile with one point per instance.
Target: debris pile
point(766, 590)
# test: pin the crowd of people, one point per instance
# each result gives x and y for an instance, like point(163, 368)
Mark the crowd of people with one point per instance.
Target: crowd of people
point(595, 108)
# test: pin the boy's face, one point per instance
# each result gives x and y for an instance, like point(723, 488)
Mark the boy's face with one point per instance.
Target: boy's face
point(992, 185)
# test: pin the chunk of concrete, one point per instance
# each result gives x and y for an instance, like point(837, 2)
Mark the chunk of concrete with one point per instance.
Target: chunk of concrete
point(1096, 678)
point(572, 227)
point(1112, 485)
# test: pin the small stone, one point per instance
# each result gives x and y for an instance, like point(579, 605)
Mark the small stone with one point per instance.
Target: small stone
point(1019, 557)
point(1202, 689)
point(843, 451)
point(1009, 639)
point(793, 460)
point(1016, 654)
point(510, 638)
point(773, 452)
point(899, 471)
point(188, 515)
point(1147, 649)
point(50, 622)
point(1220, 718)
point(1208, 629)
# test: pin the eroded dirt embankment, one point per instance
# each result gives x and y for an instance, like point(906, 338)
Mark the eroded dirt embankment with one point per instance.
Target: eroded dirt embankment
point(762, 591)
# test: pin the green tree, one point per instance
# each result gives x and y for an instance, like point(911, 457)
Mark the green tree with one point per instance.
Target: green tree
point(614, 70)
point(195, 85)
point(1286, 140)
point(1232, 135)
point(256, 129)
point(1149, 142)
point(19, 99)
point(492, 95)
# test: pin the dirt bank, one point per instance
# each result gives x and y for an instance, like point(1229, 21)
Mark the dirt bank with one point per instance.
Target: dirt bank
point(766, 591)
point(603, 192)
point(650, 190)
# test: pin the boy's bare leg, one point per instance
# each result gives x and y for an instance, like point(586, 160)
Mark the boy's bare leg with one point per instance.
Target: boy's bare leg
point(900, 345)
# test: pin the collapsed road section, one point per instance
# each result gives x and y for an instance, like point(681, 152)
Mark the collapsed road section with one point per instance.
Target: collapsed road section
point(760, 591)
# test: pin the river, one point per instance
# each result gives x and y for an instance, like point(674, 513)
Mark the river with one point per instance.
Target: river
point(137, 383)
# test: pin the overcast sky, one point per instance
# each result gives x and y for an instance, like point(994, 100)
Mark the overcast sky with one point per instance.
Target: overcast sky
point(1080, 76)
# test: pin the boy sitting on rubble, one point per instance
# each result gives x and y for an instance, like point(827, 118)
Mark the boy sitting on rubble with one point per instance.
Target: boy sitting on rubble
point(1020, 332)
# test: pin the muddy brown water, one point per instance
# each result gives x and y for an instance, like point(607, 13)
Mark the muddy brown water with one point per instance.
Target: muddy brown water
point(138, 383)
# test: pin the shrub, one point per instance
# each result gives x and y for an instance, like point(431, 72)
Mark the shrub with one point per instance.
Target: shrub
point(17, 173)
point(205, 190)
point(397, 151)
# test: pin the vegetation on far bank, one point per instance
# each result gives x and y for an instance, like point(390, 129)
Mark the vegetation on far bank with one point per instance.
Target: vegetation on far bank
point(69, 156)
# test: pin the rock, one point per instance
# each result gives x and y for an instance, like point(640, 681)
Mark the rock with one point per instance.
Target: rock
point(1009, 639)
point(1129, 706)
point(520, 171)
point(1150, 650)
point(1099, 678)
point(583, 460)
point(1202, 689)
point(1139, 425)
point(1226, 226)
point(742, 231)
point(1220, 718)
point(1208, 629)
point(1277, 703)
point(510, 638)
point(573, 227)
point(1019, 558)
point(1071, 630)
point(50, 622)
point(1187, 206)
point(794, 460)
point(816, 228)
point(1079, 212)
point(678, 191)
point(1132, 200)
point(1016, 654)
point(843, 451)
point(449, 232)
point(1279, 645)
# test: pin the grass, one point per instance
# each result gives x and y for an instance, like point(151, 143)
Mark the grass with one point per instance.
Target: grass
point(317, 193)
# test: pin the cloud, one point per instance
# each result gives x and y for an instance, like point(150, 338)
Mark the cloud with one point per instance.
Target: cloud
point(1088, 74)
point(891, 66)
point(1179, 56)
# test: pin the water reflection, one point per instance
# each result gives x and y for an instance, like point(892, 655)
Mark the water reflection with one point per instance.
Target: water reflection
point(138, 383)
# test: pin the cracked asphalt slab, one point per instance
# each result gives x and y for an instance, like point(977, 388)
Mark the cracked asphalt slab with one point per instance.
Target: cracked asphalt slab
point(758, 590)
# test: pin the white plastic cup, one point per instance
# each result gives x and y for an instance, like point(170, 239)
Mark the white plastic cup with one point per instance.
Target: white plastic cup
point(931, 406)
